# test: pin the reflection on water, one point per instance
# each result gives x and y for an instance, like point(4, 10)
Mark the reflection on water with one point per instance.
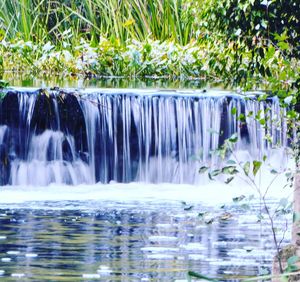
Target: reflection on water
point(137, 242)
point(106, 82)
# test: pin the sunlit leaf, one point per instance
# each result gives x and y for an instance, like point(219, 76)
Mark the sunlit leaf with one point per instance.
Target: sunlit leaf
point(246, 168)
point(256, 167)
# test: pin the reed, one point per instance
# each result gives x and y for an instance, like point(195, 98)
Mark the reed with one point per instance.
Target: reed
point(42, 20)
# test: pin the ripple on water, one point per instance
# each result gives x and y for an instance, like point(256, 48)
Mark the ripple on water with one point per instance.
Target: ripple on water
point(159, 249)
point(193, 247)
point(160, 256)
point(154, 245)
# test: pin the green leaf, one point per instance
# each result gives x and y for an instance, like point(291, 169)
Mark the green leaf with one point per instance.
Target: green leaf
point(233, 111)
point(296, 217)
point(292, 260)
point(200, 276)
point(273, 171)
point(203, 169)
point(215, 172)
point(202, 214)
point(222, 152)
point(262, 121)
point(250, 114)
point(246, 168)
point(3, 83)
point(256, 167)
point(242, 117)
point(283, 45)
point(233, 138)
point(229, 169)
point(228, 180)
point(238, 199)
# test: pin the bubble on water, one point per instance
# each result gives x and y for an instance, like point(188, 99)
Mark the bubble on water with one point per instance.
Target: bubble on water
point(31, 255)
point(13, 252)
point(18, 275)
point(104, 269)
point(91, 276)
point(6, 259)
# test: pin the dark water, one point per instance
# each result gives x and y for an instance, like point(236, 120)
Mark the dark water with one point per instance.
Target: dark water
point(102, 241)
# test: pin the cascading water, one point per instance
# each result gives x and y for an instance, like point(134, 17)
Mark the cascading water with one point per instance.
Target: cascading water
point(124, 136)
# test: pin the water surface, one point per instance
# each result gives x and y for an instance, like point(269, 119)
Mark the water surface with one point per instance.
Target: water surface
point(131, 240)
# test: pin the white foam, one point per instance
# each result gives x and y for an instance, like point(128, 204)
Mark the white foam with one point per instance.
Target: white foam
point(30, 255)
point(219, 193)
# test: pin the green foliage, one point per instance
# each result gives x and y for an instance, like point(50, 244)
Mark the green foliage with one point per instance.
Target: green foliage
point(256, 23)
point(291, 264)
point(3, 84)
point(71, 20)
point(213, 40)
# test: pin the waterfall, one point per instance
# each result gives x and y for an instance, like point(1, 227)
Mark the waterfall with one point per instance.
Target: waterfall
point(124, 136)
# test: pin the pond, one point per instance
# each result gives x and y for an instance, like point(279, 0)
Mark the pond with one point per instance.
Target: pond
point(104, 184)
point(153, 240)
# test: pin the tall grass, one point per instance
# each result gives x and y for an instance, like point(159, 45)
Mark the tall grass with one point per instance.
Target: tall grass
point(41, 20)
